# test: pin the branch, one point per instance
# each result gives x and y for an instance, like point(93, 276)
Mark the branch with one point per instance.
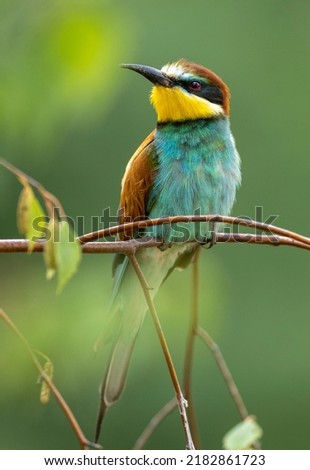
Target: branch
point(51, 201)
point(221, 363)
point(154, 423)
point(179, 395)
point(189, 352)
point(130, 246)
point(223, 367)
point(276, 236)
point(131, 226)
point(84, 442)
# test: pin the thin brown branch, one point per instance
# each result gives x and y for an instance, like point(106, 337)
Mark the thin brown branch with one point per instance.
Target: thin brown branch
point(84, 442)
point(259, 239)
point(271, 229)
point(154, 423)
point(222, 365)
point(189, 352)
point(50, 200)
point(174, 378)
point(130, 246)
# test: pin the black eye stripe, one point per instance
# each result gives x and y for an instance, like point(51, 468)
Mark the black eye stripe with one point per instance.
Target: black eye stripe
point(212, 93)
point(208, 92)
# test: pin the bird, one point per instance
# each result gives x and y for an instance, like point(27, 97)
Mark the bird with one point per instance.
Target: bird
point(187, 165)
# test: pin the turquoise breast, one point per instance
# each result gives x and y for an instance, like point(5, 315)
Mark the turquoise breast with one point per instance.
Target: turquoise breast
point(197, 171)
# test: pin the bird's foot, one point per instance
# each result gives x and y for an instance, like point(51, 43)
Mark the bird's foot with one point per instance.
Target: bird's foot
point(164, 245)
point(210, 241)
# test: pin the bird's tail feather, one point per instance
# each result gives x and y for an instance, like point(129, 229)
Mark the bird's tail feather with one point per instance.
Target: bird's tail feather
point(115, 377)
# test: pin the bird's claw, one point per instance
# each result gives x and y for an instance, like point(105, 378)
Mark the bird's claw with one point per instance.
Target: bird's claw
point(210, 241)
point(164, 245)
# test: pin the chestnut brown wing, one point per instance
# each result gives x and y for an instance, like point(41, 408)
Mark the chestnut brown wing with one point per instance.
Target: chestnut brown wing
point(136, 184)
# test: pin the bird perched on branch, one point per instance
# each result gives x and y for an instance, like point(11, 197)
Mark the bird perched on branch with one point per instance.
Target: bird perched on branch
point(188, 165)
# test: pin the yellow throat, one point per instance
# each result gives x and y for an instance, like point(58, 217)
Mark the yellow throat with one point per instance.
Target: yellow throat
point(174, 104)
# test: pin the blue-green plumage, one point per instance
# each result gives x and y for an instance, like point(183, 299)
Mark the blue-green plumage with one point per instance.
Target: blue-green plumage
point(197, 171)
point(188, 166)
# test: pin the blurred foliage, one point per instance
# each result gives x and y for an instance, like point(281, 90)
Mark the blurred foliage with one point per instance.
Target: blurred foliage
point(57, 63)
point(71, 118)
point(243, 435)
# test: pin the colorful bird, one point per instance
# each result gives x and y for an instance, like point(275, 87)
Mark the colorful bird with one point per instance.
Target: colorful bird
point(188, 165)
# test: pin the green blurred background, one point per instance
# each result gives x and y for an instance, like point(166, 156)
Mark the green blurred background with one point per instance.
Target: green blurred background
point(71, 118)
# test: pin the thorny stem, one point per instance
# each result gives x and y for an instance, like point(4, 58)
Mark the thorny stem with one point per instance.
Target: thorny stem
point(84, 442)
point(154, 423)
point(179, 395)
point(188, 362)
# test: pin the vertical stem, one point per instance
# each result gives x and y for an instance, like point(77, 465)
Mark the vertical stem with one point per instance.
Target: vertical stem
point(84, 443)
point(188, 362)
point(175, 381)
point(154, 423)
point(222, 365)
point(230, 383)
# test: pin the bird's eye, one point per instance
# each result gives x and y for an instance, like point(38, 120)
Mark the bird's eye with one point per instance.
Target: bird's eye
point(195, 85)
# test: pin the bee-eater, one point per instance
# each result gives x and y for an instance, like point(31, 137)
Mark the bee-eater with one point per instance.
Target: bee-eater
point(188, 165)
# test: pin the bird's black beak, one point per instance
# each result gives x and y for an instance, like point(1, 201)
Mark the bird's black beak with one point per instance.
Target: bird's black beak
point(154, 75)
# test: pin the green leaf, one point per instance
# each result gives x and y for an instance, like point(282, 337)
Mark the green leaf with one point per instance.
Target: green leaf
point(49, 249)
point(48, 369)
point(31, 220)
point(243, 435)
point(67, 254)
point(45, 390)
